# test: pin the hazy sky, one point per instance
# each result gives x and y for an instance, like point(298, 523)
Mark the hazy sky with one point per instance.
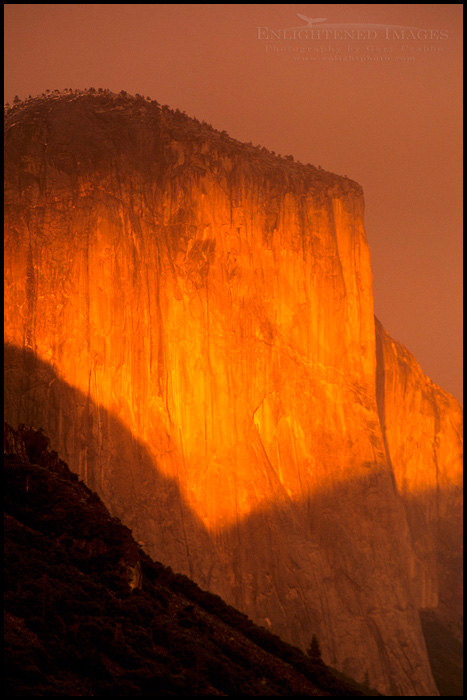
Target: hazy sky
point(384, 110)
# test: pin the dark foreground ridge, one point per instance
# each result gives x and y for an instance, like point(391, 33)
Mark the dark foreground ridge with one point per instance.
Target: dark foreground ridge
point(87, 612)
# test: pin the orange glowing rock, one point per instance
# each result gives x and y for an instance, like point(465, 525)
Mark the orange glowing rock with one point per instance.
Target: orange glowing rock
point(423, 429)
point(191, 321)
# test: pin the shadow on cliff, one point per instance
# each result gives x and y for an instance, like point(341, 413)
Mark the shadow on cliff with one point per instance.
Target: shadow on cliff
point(131, 484)
point(280, 552)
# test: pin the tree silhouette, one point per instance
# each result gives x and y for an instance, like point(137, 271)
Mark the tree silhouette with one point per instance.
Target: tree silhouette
point(314, 650)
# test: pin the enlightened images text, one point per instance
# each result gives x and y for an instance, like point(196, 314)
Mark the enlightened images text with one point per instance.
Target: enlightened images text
point(352, 34)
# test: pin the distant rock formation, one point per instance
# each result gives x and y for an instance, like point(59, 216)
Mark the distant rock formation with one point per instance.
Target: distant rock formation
point(190, 319)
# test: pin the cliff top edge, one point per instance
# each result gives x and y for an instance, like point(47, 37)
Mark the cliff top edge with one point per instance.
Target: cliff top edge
point(78, 110)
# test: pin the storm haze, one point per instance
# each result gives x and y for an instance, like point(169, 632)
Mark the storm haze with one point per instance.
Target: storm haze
point(385, 113)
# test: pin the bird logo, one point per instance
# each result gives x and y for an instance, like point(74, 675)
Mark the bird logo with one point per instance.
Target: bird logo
point(311, 21)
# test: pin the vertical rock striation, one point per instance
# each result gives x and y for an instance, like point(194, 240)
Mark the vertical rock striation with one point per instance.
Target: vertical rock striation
point(422, 425)
point(190, 320)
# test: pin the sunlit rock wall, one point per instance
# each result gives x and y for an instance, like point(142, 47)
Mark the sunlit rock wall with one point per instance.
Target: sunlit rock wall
point(191, 321)
point(423, 428)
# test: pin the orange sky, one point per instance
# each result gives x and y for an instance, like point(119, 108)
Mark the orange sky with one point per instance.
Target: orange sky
point(385, 112)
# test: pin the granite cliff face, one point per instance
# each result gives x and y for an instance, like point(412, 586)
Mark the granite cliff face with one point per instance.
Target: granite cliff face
point(190, 320)
point(422, 425)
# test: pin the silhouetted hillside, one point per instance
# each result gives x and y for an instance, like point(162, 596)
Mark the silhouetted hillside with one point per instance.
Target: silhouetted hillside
point(88, 613)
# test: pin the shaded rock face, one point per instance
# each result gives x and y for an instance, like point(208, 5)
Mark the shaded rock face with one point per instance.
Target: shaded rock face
point(191, 322)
